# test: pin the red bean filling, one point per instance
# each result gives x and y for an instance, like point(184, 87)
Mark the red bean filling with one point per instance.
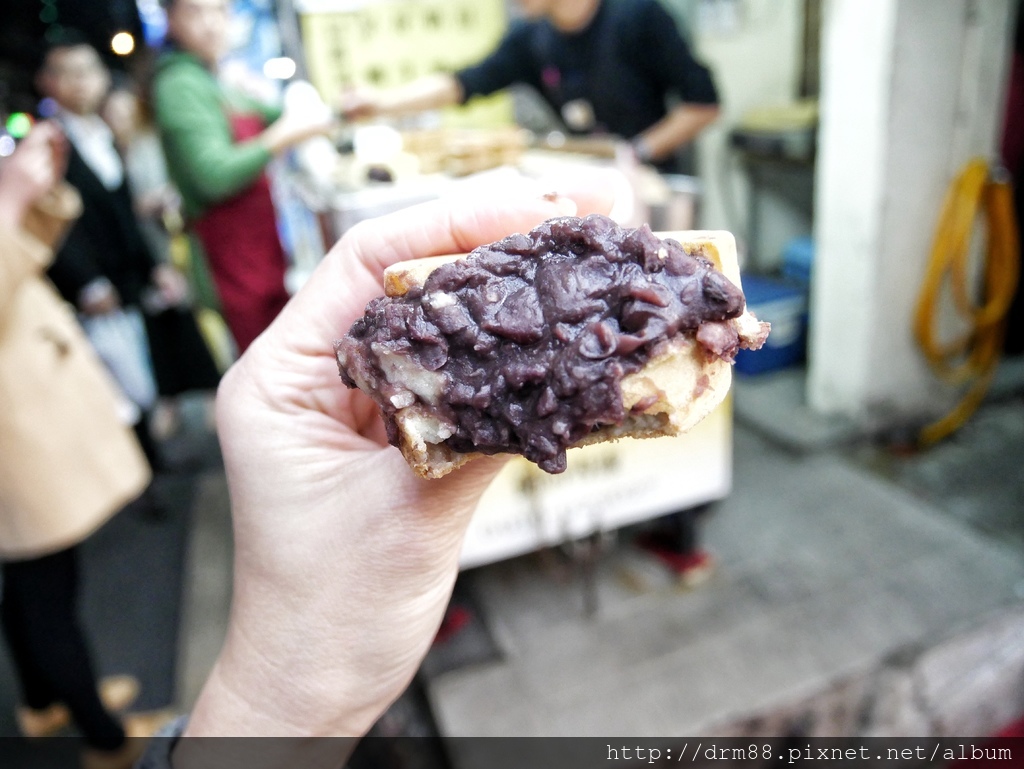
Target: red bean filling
point(533, 334)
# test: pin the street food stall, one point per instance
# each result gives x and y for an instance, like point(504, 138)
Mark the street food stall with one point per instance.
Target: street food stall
point(388, 166)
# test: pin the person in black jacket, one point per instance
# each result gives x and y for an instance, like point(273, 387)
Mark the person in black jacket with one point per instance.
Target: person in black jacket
point(105, 267)
point(604, 66)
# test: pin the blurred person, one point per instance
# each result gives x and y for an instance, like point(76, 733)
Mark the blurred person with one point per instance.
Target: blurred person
point(157, 201)
point(605, 66)
point(133, 305)
point(157, 206)
point(68, 463)
point(344, 558)
point(218, 143)
point(154, 196)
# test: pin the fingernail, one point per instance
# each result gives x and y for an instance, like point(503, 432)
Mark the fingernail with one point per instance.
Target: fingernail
point(565, 206)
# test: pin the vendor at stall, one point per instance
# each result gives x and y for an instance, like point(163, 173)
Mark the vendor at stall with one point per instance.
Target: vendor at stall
point(218, 143)
point(612, 67)
point(606, 66)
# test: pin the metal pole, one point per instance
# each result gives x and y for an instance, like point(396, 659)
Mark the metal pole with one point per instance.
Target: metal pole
point(291, 36)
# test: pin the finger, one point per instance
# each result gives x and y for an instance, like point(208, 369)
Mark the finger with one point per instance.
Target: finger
point(594, 190)
point(468, 482)
point(45, 134)
point(298, 346)
point(41, 134)
point(449, 227)
point(43, 148)
point(350, 275)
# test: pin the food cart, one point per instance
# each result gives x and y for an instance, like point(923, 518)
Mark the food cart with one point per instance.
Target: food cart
point(394, 166)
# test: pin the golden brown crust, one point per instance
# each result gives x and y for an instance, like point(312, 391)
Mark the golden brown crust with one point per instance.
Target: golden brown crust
point(400, 277)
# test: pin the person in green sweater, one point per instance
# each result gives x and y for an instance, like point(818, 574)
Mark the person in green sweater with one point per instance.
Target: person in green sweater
point(218, 143)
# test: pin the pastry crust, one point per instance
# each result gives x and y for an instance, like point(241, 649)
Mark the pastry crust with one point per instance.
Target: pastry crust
point(679, 386)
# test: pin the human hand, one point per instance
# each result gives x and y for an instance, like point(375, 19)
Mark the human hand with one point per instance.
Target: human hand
point(26, 176)
point(157, 202)
point(171, 285)
point(98, 298)
point(360, 103)
point(344, 558)
point(291, 129)
point(434, 91)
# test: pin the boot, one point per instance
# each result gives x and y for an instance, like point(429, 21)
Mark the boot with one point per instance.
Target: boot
point(117, 693)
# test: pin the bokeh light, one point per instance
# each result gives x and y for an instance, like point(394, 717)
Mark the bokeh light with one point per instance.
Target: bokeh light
point(154, 22)
point(19, 124)
point(281, 68)
point(47, 107)
point(122, 43)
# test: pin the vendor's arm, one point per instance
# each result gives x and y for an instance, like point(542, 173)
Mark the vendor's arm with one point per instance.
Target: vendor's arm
point(425, 93)
point(287, 131)
point(208, 164)
point(507, 64)
point(268, 111)
point(670, 63)
point(677, 129)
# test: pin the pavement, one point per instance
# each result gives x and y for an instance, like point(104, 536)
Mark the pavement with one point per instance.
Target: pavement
point(858, 591)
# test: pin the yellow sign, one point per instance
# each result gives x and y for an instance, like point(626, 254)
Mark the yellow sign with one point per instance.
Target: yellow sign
point(388, 43)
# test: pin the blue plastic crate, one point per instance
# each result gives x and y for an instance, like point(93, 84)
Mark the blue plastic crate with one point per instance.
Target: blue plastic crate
point(797, 259)
point(784, 305)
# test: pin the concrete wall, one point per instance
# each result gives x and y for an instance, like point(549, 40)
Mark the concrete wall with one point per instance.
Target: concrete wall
point(911, 90)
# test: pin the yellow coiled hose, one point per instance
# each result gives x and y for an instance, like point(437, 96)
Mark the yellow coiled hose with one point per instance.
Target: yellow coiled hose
point(970, 359)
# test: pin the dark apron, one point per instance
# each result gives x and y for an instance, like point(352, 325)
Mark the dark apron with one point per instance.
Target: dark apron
point(244, 252)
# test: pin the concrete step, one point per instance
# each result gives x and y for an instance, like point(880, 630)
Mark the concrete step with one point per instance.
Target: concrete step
point(843, 604)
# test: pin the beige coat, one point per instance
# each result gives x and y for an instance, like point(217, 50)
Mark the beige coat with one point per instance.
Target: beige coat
point(67, 462)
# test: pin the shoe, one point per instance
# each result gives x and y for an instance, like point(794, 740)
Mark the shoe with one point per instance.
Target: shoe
point(692, 568)
point(455, 620)
point(42, 722)
point(695, 568)
point(117, 693)
point(140, 726)
point(123, 757)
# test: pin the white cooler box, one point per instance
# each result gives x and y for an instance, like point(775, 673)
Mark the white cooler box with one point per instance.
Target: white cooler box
point(605, 487)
